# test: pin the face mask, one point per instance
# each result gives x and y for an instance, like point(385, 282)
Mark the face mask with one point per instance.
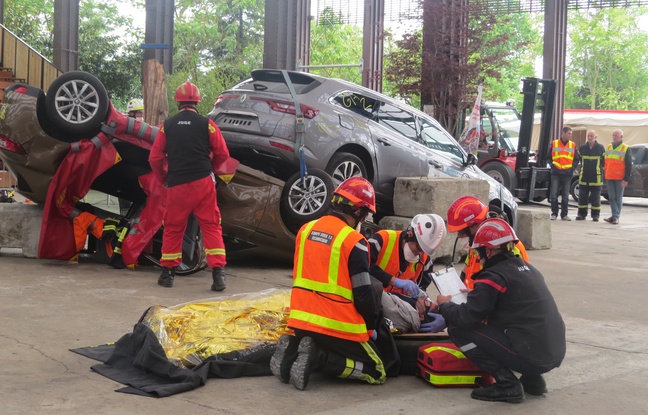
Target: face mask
point(409, 254)
point(464, 242)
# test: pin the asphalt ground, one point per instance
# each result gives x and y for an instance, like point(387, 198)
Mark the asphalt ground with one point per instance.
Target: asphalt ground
point(596, 271)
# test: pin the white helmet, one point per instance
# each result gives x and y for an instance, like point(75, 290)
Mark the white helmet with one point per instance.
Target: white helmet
point(430, 231)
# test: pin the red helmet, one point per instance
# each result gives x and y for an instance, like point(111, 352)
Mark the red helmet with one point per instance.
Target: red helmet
point(187, 92)
point(493, 233)
point(464, 212)
point(358, 192)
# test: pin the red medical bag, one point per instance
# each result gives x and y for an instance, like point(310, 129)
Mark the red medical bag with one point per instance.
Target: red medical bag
point(445, 366)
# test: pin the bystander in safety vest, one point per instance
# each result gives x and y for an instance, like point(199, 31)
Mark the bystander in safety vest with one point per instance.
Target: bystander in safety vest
point(615, 161)
point(322, 296)
point(562, 155)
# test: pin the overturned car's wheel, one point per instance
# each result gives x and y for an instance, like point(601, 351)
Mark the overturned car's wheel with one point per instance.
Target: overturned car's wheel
point(303, 201)
point(193, 250)
point(573, 190)
point(77, 103)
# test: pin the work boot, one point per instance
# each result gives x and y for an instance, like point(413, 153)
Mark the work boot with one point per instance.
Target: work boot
point(301, 369)
point(166, 277)
point(284, 357)
point(218, 275)
point(533, 384)
point(506, 389)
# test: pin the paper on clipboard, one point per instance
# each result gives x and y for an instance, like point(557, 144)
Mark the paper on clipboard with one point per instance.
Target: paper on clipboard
point(449, 283)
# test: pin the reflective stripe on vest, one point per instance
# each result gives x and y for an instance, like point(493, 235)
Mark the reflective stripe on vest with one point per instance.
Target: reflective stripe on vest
point(389, 260)
point(615, 162)
point(322, 296)
point(562, 156)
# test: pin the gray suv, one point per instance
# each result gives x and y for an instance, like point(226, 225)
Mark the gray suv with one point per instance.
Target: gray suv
point(348, 130)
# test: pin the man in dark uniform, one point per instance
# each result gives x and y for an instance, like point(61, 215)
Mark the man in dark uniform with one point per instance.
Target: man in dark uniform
point(590, 180)
point(194, 148)
point(524, 331)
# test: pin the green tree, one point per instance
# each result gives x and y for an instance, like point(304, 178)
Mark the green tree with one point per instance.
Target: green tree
point(493, 49)
point(335, 43)
point(33, 22)
point(608, 65)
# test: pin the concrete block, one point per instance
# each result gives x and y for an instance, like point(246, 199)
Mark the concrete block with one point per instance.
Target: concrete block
point(443, 254)
point(534, 229)
point(20, 226)
point(414, 195)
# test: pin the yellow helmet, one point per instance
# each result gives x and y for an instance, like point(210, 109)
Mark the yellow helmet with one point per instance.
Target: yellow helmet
point(135, 105)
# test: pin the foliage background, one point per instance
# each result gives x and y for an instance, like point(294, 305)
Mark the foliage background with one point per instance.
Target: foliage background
point(218, 42)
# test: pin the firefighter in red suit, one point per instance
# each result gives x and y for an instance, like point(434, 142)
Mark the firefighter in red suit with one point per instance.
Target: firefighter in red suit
point(194, 148)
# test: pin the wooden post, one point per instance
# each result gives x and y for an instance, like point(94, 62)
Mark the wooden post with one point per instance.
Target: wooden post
point(156, 102)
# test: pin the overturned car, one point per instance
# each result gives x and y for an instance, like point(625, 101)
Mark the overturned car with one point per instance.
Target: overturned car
point(61, 144)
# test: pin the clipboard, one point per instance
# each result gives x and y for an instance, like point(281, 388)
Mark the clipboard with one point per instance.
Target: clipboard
point(448, 282)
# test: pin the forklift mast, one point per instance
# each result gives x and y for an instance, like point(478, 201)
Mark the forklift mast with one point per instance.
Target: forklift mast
point(533, 182)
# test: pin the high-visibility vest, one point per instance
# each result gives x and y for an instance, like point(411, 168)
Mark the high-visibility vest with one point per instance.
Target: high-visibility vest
point(322, 296)
point(615, 161)
point(562, 155)
point(389, 260)
point(473, 266)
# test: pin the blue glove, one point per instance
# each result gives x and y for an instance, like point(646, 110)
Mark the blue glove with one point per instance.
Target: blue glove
point(409, 287)
point(435, 326)
point(374, 335)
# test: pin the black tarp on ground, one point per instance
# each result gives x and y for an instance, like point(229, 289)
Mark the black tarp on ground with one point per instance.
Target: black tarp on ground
point(138, 360)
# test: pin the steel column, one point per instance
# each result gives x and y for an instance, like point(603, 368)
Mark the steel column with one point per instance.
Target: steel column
point(287, 34)
point(372, 44)
point(66, 34)
point(554, 52)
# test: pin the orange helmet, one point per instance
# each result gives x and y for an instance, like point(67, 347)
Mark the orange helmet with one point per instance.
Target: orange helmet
point(493, 233)
point(464, 212)
point(187, 92)
point(356, 191)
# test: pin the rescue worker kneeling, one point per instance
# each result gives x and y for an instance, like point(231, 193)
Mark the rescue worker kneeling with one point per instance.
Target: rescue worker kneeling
point(333, 311)
point(525, 331)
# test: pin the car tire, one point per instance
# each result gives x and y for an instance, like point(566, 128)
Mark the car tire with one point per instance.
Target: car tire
point(300, 204)
point(502, 173)
point(192, 260)
point(344, 165)
point(573, 190)
point(77, 103)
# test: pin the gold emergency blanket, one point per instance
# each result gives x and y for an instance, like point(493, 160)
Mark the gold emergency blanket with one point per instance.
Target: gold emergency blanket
point(191, 332)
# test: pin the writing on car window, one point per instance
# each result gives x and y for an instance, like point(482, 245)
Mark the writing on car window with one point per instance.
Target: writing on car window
point(357, 103)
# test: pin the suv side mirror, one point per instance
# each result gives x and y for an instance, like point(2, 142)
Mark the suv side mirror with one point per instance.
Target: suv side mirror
point(471, 159)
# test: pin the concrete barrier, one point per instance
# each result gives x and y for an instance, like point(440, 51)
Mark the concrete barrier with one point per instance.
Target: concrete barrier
point(414, 195)
point(20, 226)
point(534, 229)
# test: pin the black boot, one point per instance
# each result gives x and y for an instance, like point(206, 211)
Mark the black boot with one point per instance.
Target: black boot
point(284, 357)
point(166, 277)
point(307, 360)
point(506, 389)
point(534, 384)
point(218, 275)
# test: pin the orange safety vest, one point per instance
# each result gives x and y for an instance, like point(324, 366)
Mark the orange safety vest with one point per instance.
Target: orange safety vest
point(85, 224)
point(389, 260)
point(615, 162)
point(473, 266)
point(562, 155)
point(322, 296)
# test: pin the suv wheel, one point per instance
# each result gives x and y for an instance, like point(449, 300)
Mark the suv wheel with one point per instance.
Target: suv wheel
point(345, 165)
point(303, 202)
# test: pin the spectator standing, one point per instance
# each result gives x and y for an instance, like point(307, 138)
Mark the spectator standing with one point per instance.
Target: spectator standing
point(563, 161)
point(194, 148)
point(510, 321)
point(590, 179)
point(618, 167)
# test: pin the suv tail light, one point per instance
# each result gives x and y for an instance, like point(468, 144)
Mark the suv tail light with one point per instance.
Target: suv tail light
point(8, 144)
point(288, 107)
